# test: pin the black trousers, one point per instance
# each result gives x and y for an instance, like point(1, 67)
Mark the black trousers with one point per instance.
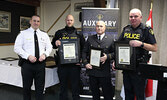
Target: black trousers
point(66, 73)
point(105, 84)
point(32, 72)
point(134, 85)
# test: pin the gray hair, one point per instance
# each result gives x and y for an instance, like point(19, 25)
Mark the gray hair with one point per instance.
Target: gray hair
point(136, 10)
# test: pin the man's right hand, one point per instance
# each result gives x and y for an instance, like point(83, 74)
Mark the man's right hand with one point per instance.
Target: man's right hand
point(88, 66)
point(32, 59)
point(113, 65)
point(57, 43)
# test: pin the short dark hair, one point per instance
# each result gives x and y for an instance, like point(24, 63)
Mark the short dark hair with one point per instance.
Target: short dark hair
point(35, 15)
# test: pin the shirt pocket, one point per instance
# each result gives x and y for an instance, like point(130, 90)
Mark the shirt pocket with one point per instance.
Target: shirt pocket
point(42, 42)
point(29, 42)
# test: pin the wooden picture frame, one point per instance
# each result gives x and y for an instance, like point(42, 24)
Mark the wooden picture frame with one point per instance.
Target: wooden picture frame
point(69, 51)
point(24, 22)
point(78, 6)
point(5, 21)
point(125, 56)
point(95, 55)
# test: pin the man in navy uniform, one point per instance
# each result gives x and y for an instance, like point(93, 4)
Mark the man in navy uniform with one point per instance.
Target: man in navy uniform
point(100, 77)
point(71, 71)
point(141, 37)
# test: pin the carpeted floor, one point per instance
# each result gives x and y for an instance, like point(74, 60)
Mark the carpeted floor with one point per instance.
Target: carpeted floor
point(8, 92)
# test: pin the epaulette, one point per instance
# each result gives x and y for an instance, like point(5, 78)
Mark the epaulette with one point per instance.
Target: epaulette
point(78, 33)
point(127, 26)
point(146, 26)
point(61, 29)
point(43, 31)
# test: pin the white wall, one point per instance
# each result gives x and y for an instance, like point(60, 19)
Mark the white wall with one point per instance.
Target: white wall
point(50, 10)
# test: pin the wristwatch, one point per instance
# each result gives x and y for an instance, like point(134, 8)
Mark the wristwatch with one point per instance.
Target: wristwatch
point(142, 45)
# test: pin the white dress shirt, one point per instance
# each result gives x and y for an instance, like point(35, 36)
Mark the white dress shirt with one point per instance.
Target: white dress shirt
point(24, 43)
point(101, 36)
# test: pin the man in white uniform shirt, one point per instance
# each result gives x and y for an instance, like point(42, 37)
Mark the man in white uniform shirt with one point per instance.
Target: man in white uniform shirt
point(33, 46)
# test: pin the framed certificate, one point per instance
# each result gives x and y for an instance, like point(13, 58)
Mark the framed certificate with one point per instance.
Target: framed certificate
point(125, 56)
point(69, 51)
point(95, 54)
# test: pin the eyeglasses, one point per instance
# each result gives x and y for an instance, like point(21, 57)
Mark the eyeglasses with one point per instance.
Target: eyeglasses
point(133, 16)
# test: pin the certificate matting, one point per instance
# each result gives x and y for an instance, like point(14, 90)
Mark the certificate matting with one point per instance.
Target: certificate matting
point(69, 51)
point(95, 54)
point(125, 56)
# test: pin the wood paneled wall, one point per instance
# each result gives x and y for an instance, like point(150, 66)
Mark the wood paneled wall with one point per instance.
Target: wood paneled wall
point(27, 2)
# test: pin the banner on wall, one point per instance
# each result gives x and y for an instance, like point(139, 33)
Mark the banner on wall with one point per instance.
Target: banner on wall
point(89, 18)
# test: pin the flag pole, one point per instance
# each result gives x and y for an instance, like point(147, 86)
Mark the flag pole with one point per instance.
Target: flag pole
point(149, 86)
point(151, 4)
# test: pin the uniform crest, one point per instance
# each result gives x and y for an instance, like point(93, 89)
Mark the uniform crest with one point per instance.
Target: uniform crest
point(151, 31)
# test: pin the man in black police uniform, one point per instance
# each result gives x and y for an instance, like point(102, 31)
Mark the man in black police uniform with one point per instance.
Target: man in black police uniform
point(141, 37)
point(33, 46)
point(68, 71)
point(100, 77)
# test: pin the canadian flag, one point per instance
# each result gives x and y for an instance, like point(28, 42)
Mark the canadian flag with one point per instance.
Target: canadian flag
point(149, 20)
point(149, 86)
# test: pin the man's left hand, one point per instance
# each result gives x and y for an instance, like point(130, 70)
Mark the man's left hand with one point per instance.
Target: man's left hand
point(42, 57)
point(135, 43)
point(103, 59)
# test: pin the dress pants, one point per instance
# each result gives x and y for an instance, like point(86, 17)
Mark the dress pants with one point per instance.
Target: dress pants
point(66, 73)
point(29, 72)
point(105, 83)
point(134, 85)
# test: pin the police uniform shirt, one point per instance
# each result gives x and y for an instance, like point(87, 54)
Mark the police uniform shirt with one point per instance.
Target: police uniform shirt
point(24, 44)
point(142, 33)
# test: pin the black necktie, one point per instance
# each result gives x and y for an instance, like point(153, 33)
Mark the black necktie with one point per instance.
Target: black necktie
point(99, 37)
point(36, 45)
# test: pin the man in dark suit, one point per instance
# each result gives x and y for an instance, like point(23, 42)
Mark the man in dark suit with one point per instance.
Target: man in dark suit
point(100, 77)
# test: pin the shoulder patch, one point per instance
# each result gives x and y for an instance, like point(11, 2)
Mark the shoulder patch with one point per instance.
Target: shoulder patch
point(151, 31)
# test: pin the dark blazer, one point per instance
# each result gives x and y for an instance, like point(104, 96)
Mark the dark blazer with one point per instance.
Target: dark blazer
point(107, 44)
